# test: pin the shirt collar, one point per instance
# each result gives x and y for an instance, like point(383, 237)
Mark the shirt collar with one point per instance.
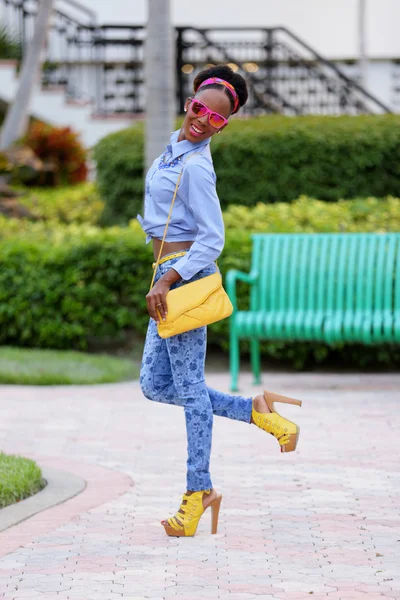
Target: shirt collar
point(179, 148)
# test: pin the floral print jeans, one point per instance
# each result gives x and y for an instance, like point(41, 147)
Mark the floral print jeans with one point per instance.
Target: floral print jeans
point(172, 372)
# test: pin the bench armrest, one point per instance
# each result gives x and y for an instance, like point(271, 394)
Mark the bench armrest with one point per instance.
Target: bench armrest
point(232, 276)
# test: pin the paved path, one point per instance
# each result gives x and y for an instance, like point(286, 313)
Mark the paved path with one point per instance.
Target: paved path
point(319, 523)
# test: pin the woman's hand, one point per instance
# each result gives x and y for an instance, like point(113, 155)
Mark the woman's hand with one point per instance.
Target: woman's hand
point(157, 300)
point(157, 297)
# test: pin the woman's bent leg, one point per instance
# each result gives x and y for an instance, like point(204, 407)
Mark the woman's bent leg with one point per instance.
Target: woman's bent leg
point(158, 384)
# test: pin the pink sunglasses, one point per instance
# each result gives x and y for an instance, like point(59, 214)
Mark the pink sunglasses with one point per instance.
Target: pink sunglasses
point(200, 110)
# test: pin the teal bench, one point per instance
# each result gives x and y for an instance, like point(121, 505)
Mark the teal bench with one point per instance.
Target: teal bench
point(333, 287)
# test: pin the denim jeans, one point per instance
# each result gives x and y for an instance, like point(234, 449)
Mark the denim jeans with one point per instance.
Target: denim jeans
point(172, 372)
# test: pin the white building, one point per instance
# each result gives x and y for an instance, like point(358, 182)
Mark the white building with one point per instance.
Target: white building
point(329, 27)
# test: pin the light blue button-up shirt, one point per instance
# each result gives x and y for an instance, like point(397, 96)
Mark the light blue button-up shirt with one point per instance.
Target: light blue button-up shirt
point(196, 215)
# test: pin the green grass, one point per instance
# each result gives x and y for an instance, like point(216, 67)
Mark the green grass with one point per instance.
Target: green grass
point(19, 478)
point(55, 367)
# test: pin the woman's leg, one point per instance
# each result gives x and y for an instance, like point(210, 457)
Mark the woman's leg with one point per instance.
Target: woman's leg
point(186, 354)
point(158, 384)
point(167, 375)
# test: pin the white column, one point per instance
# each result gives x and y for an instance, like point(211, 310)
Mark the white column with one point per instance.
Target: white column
point(362, 42)
point(160, 78)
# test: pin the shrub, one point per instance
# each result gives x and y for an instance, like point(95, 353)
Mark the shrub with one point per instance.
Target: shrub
point(269, 159)
point(80, 203)
point(277, 159)
point(72, 285)
point(66, 287)
point(120, 174)
point(59, 146)
point(308, 215)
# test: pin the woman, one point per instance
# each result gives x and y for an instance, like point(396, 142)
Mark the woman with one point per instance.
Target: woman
point(173, 369)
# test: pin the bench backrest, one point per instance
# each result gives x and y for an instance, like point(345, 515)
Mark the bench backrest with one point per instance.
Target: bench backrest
point(307, 271)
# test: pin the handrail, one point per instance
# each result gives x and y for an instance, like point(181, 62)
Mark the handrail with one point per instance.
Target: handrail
point(74, 3)
point(274, 89)
point(334, 68)
point(92, 14)
point(204, 30)
point(230, 59)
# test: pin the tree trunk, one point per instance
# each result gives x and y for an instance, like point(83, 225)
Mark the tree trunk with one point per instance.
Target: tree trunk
point(17, 117)
point(160, 79)
point(362, 40)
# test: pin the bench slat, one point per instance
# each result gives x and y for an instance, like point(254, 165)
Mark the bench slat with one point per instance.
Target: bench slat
point(321, 287)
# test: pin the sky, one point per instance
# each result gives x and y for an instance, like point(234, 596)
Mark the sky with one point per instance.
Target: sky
point(329, 26)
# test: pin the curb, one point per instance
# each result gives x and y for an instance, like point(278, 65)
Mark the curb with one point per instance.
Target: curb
point(61, 486)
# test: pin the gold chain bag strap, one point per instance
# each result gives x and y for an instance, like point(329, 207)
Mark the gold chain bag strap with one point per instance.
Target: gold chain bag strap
point(195, 304)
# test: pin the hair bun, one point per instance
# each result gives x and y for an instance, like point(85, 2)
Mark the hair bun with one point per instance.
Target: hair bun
point(224, 72)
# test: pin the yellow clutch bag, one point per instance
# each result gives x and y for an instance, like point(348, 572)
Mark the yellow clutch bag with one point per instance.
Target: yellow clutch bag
point(195, 304)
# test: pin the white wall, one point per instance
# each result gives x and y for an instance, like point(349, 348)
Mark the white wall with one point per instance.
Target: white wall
point(330, 26)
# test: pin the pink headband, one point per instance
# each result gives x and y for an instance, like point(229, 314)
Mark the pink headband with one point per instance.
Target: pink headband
point(226, 84)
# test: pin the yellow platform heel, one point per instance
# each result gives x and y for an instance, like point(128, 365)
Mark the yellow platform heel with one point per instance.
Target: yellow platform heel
point(185, 523)
point(286, 432)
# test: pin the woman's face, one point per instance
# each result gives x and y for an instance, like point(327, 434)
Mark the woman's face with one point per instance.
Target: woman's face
point(196, 128)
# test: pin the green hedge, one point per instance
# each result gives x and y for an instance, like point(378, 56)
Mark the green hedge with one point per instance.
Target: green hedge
point(120, 174)
point(72, 286)
point(79, 203)
point(269, 159)
point(68, 287)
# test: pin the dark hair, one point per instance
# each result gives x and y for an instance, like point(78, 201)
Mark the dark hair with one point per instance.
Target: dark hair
point(224, 72)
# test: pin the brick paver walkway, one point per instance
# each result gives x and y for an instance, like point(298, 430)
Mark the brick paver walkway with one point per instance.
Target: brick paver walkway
point(320, 523)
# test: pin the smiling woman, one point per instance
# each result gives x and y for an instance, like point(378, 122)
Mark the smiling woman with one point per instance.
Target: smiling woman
point(183, 219)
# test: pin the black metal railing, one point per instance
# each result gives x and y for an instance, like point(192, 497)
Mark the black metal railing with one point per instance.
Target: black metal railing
point(104, 64)
point(284, 74)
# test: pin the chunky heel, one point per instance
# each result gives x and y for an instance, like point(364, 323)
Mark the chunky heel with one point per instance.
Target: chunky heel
point(215, 506)
point(271, 398)
point(186, 520)
point(286, 432)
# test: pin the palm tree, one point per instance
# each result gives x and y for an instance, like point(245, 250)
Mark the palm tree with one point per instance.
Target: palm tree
point(16, 121)
point(160, 78)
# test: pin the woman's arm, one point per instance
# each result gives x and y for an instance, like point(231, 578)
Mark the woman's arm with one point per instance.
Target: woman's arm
point(198, 191)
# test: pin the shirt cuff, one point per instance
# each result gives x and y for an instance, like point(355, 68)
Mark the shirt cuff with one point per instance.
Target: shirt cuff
point(182, 267)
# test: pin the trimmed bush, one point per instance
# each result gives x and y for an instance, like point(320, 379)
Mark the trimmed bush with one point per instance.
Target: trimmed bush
point(269, 159)
point(80, 203)
point(120, 174)
point(68, 287)
point(71, 286)
point(309, 215)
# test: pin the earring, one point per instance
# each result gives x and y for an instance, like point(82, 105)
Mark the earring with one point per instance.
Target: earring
point(185, 109)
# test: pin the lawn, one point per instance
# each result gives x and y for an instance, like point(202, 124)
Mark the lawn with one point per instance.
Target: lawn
point(56, 367)
point(19, 478)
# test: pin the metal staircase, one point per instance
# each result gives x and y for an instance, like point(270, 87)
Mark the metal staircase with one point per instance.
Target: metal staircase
point(284, 74)
point(103, 65)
